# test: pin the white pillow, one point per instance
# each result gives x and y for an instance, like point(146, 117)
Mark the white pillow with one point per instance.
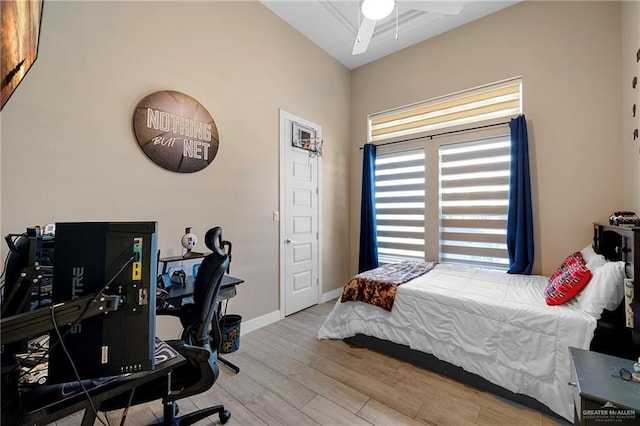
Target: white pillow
point(593, 259)
point(604, 291)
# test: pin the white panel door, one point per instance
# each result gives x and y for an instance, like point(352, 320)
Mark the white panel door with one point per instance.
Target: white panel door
point(299, 226)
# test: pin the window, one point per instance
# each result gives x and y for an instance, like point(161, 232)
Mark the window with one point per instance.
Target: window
point(465, 108)
point(400, 205)
point(443, 193)
point(474, 196)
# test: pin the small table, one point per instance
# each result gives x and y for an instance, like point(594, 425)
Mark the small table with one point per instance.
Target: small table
point(601, 396)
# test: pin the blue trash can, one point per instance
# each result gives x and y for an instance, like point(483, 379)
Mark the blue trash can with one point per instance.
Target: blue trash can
point(230, 333)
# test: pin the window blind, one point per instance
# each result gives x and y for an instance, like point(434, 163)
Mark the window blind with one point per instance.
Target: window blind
point(400, 197)
point(474, 197)
point(472, 106)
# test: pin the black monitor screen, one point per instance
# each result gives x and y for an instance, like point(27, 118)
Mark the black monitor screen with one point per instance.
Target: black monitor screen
point(114, 258)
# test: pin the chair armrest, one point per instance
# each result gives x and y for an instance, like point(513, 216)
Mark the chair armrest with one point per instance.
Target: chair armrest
point(201, 366)
point(175, 344)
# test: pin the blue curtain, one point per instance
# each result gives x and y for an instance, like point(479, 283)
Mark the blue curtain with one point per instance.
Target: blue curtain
point(519, 213)
point(368, 258)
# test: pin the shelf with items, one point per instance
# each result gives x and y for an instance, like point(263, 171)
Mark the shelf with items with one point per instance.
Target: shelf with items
point(191, 255)
point(622, 243)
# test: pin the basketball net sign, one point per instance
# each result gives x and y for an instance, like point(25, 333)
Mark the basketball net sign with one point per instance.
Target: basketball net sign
point(175, 131)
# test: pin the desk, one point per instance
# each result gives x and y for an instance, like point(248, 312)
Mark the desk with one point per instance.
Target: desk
point(227, 291)
point(40, 410)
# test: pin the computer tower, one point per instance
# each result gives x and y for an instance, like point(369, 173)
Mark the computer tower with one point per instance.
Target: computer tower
point(114, 258)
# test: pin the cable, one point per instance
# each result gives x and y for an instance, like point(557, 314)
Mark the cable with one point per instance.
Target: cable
point(73, 365)
point(98, 295)
point(126, 409)
point(2, 276)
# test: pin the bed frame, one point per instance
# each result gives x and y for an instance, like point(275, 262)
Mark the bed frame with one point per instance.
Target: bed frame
point(611, 335)
point(430, 362)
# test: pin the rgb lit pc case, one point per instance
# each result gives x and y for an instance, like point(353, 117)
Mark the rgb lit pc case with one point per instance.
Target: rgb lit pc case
point(88, 256)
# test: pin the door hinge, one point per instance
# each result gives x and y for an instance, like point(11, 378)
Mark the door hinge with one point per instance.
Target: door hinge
point(317, 236)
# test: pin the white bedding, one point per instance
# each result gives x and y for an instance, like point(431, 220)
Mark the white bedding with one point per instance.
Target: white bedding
point(490, 323)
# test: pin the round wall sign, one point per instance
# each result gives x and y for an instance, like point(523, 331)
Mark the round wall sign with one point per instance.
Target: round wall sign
point(175, 131)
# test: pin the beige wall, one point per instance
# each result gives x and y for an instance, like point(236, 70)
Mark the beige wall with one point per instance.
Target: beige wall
point(630, 68)
point(569, 56)
point(68, 151)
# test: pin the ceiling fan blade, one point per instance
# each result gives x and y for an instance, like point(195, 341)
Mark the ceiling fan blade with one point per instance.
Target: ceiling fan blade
point(445, 7)
point(365, 32)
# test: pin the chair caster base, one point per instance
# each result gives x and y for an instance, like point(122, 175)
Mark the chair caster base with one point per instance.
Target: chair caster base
point(225, 416)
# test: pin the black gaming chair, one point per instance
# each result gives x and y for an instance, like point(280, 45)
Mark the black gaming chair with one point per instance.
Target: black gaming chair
point(200, 371)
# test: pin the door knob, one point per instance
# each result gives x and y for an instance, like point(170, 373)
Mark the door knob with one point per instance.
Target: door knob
point(290, 241)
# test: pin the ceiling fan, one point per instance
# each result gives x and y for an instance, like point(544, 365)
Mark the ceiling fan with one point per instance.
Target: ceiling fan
point(375, 10)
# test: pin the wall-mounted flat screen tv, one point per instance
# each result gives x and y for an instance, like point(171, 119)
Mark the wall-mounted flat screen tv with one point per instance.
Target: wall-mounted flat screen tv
point(20, 33)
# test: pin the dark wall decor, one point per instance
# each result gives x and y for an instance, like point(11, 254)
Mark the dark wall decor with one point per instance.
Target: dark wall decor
point(634, 85)
point(175, 131)
point(19, 37)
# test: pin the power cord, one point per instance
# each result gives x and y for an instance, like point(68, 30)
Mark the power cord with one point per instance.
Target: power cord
point(73, 365)
point(126, 409)
point(3, 275)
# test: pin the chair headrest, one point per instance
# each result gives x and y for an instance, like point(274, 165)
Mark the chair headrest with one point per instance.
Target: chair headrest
point(213, 239)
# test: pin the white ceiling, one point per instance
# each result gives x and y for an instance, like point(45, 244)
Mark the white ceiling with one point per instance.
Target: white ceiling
point(333, 24)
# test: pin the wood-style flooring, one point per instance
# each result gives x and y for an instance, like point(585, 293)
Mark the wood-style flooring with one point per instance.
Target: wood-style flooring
point(288, 377)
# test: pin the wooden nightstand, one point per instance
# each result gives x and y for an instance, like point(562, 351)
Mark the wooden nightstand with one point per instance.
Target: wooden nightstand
point(601, 396)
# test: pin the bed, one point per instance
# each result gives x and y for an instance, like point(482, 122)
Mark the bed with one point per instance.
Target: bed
point(488, 328)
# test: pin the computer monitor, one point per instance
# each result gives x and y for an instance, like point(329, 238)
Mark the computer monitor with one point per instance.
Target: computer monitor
point(113, 258)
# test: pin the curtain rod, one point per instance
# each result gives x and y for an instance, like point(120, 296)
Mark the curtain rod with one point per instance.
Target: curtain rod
point(441, 134)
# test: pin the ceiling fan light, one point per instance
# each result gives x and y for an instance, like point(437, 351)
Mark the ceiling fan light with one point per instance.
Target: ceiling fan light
point(377, 9)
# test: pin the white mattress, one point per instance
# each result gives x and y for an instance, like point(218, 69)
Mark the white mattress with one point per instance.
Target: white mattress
point(490, 323)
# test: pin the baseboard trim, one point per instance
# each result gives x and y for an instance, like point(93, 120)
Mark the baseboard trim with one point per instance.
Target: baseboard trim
point(275, 316)
point(257, 323)
point(332, 294)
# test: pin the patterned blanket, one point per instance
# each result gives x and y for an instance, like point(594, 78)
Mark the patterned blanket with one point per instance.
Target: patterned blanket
point(378, 286)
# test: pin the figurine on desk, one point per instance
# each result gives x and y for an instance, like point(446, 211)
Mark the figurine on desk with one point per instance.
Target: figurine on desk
point(189, 241)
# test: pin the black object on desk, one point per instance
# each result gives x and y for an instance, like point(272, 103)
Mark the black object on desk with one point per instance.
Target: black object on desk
point(601, 394)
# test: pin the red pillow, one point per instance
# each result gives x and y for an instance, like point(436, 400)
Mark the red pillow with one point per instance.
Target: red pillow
point(570, 278)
